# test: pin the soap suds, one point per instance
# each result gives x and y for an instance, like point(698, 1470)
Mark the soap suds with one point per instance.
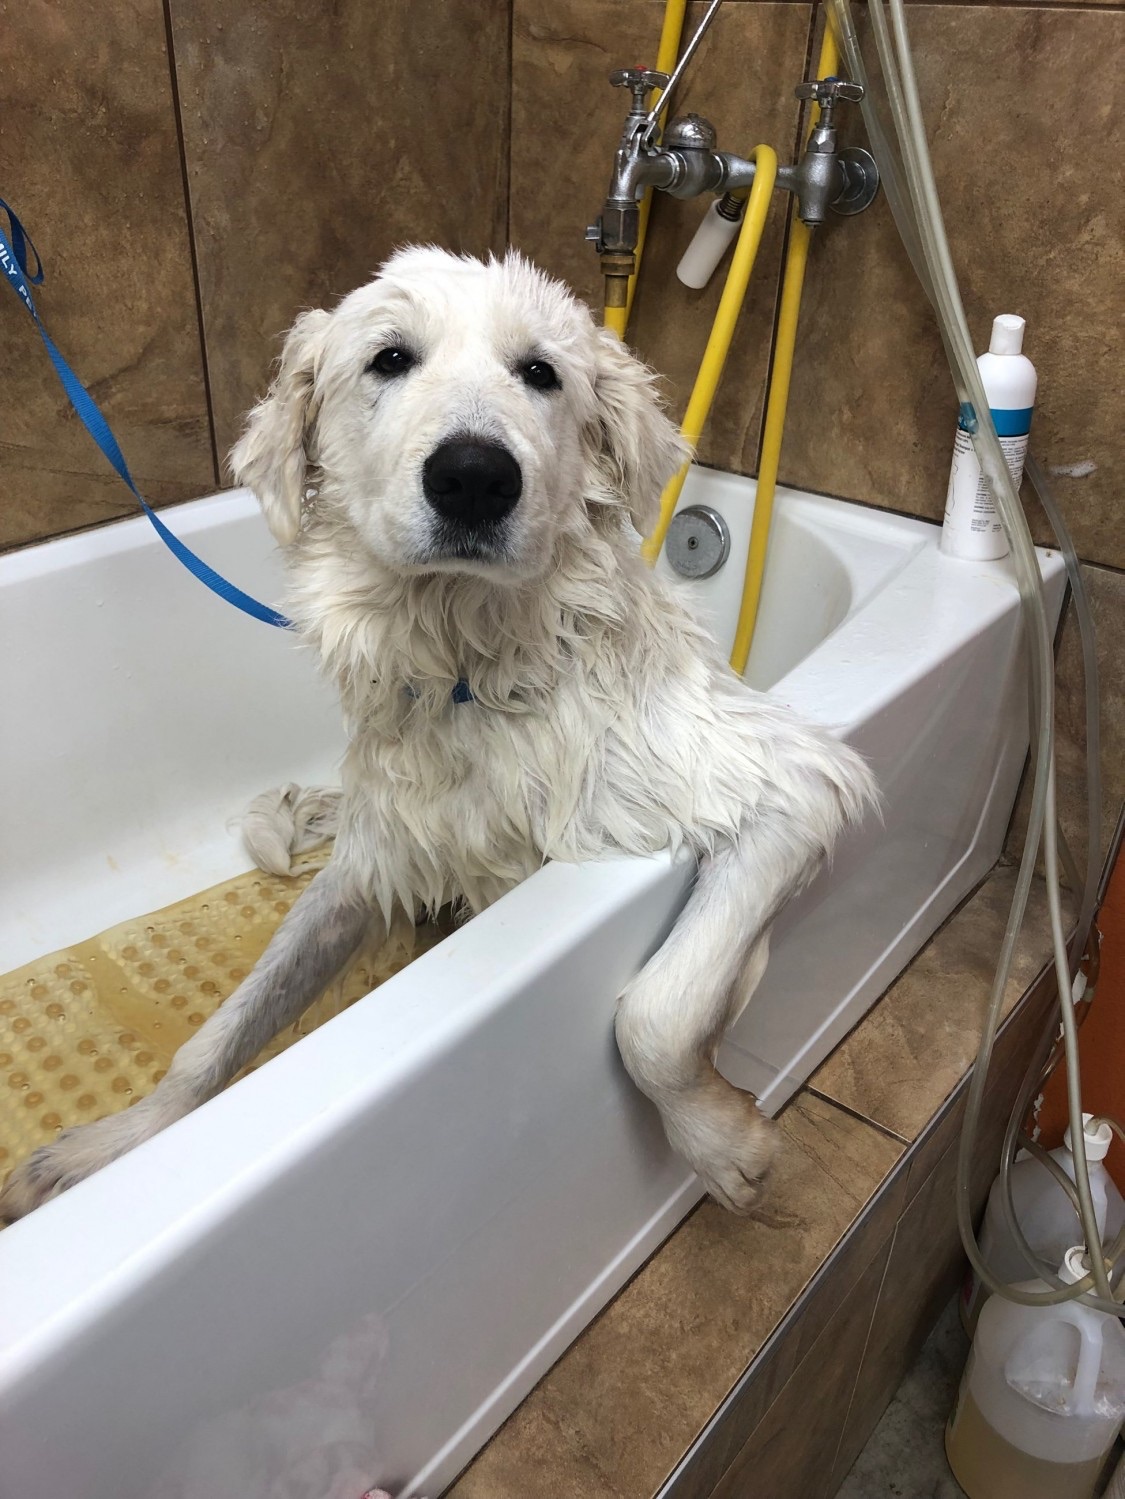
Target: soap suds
point(1081, 470)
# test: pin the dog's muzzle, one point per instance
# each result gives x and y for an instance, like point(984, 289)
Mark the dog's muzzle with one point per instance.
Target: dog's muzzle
point(471, 482)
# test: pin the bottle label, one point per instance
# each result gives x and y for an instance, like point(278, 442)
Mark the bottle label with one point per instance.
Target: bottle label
point(967, 485)
point(1012, 422)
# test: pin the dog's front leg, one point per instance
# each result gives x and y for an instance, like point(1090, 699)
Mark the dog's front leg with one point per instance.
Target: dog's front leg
point(672, 1017)
point(309, 948)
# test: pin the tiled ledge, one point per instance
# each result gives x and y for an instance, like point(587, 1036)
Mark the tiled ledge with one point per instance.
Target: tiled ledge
point(755, 1355)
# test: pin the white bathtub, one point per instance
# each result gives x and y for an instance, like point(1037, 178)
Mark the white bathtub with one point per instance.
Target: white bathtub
point(381, 1239)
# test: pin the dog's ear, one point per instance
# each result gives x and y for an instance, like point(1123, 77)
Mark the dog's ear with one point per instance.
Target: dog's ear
point(637, 448)
point(271, 456)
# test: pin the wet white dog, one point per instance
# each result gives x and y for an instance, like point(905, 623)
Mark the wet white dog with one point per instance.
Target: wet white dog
point(457, 462)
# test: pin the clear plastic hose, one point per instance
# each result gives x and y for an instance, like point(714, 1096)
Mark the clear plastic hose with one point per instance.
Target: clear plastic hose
point(927, 213)
point(1036, 1074)
point(1084, 616)
point(912, 196)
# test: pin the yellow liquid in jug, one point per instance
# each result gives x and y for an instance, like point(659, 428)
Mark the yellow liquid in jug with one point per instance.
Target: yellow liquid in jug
point(87, 1030)
point(988, 1467)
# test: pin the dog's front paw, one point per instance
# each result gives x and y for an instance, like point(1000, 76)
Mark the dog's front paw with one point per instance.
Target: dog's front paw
point(44, 1174)
point(722, 1134)
point(76, 1154)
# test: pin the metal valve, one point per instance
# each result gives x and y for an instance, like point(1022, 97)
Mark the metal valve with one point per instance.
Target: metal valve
point(827, 93)
point(858, 179)
point(685, 162)
point(830, 90)
point(641, 81)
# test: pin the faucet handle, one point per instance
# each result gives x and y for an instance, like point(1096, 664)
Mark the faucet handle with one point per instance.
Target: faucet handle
point(829, 91)
point(634, 77)
point(641, 81)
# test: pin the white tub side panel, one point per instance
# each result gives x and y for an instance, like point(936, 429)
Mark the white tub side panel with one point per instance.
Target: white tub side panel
point(399, 1268)
point(948, 792)
point(947, 748)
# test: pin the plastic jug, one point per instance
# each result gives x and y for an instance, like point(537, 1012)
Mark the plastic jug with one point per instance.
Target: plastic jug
point(1045, 1214)
point(1041, 1400)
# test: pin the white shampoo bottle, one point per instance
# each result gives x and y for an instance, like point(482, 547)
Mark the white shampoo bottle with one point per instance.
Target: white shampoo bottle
point(972, 527)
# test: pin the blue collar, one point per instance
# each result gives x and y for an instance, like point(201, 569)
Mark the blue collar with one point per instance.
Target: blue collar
point(462, 692)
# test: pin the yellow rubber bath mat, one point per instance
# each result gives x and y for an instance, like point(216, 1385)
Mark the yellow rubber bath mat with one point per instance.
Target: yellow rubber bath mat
point(92, 1027)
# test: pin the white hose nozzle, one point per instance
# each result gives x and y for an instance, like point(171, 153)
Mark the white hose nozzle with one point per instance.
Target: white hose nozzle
point(707, 248)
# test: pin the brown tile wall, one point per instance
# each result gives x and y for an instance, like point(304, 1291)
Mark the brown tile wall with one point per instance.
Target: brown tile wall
point(91, 163)
point(315, 147)
point(565, 122)
point(1019, 100)
point(193, 175)
point(297, 154)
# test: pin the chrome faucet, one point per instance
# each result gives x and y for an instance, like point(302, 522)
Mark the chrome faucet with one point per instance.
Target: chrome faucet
point(686, 163)
point(827, 178)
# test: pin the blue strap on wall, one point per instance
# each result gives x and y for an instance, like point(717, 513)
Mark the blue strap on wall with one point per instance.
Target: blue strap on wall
point(14, 264)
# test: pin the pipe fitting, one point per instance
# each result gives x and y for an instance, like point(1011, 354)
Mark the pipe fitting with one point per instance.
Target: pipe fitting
point(690, 132)
point(620, 227)
point(617, 268)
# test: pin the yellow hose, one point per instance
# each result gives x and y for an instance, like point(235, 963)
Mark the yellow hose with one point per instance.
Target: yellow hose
point(722, 331)
point(795, 261)
point(616, 319)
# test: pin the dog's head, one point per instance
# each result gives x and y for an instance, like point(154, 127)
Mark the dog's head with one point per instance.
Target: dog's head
point(465, 413)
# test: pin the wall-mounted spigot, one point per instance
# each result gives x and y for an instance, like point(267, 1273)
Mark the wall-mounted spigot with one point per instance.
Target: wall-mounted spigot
point(615, 233)
point(844, 181)
point(686, 163)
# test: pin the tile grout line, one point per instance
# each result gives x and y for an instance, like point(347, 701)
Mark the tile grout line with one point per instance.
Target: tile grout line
point(862, 1357)
point(170, 43)
point(789, 1320)
point(888, 1244)
point(508, 137)
point(810, 40)
point(882, 1129)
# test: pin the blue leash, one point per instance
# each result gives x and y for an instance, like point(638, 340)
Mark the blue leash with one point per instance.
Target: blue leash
point(14, 263)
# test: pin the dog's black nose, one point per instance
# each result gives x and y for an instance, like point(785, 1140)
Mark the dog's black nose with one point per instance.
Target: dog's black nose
point(471, 481)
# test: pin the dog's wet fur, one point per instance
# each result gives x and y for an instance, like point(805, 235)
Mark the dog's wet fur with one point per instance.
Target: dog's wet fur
point(602, 719)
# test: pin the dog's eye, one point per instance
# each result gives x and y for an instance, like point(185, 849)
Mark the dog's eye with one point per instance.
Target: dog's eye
point(392, 361)
point(539, 375)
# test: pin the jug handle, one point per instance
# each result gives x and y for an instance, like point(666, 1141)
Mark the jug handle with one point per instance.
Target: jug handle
point(1089, 1357)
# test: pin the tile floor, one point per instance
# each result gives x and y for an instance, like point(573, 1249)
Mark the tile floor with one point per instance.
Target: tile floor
point(905, 1454)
